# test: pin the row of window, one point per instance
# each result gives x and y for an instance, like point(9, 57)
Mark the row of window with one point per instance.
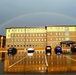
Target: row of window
point(20, 30)
point(26, 45)
point(57, 33)
point(34, 40)
point(17, 35)
point(60, 38)
point(19, 40)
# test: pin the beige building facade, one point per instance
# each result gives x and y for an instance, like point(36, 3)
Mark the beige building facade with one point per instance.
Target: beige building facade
point(21, 37)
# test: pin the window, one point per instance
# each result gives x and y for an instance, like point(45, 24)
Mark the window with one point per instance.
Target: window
point(18, 39)
point(18, 30)
point(50, 38)
point(21, 34)
point(56, 33)
point(51, 44)
point(33, 39)
point(45, 39)
point(39, 39)
point(33, 34)
point(56, 38)
point(18, 34)
point(59, 33)
point(21, 39)
point(36, 34)
point(27, 39)
point(42, 68)
point(62, 38)
point(62, 33)
point(17, 45)
point(21, 30)
point(67, 38)
point(9, 30)
point(39, 62)
point(12, 34)
point(30, 39)
point(67, 34)
point(30, 34)
point(66, 28)
point(27, 34)
point(39, 68)
point(12, 30)
point(7, 45)
point(15, 39)
point(8, 35)
point(59, 38)
point(39, 34)
point(24, 39)
point(42, 39)
point(42, 34)
point(57, 28)
point(50, 33)
point(14, 45)
point(24, 34)
point(36, 39)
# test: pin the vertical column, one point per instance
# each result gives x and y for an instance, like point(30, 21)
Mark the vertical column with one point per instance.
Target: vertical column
point(1, 41)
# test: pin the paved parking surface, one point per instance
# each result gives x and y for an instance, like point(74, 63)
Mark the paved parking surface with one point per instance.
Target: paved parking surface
point(41, 63)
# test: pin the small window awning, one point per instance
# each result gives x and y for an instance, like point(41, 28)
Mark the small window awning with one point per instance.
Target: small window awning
point(68, 42)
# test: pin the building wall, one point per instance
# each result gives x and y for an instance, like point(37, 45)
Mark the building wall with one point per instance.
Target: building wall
point(39, 37)
point(56, 34)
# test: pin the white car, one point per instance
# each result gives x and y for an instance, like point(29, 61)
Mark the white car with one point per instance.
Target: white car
point(30, 51)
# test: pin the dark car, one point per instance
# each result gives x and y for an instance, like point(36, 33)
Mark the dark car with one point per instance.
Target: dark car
point(58, 50)
point(48, 50)
point(73, 48)
point(12, 51)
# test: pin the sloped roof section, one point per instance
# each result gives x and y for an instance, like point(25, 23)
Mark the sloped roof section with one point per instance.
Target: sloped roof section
point(68, 42)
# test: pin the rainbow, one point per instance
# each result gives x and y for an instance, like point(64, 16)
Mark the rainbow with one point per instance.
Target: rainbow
point(37, 13)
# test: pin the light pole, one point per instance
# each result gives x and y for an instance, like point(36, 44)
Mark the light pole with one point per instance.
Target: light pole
point(25, 39)
point(46, 34)
point(46, 46)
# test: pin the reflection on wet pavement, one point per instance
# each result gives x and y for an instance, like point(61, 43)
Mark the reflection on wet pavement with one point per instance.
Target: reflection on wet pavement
point(21, 63)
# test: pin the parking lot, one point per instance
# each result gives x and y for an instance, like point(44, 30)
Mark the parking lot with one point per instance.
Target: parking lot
point(39, 62)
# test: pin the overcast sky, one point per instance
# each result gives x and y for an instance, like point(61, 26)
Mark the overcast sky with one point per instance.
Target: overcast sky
point(36, 13)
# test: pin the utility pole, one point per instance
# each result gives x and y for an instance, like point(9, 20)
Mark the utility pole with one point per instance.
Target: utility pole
point(46, 34)
point(25, 39)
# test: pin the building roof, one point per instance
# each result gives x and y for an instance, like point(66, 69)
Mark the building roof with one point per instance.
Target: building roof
point(45, 26)
point(61, 25)
point(23, 27)
point(67, 42)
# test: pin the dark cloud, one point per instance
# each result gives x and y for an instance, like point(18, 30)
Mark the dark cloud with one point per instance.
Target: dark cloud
point(13, 8)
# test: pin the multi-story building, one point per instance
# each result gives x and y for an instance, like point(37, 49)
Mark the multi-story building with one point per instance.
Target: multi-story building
point(21, 37)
